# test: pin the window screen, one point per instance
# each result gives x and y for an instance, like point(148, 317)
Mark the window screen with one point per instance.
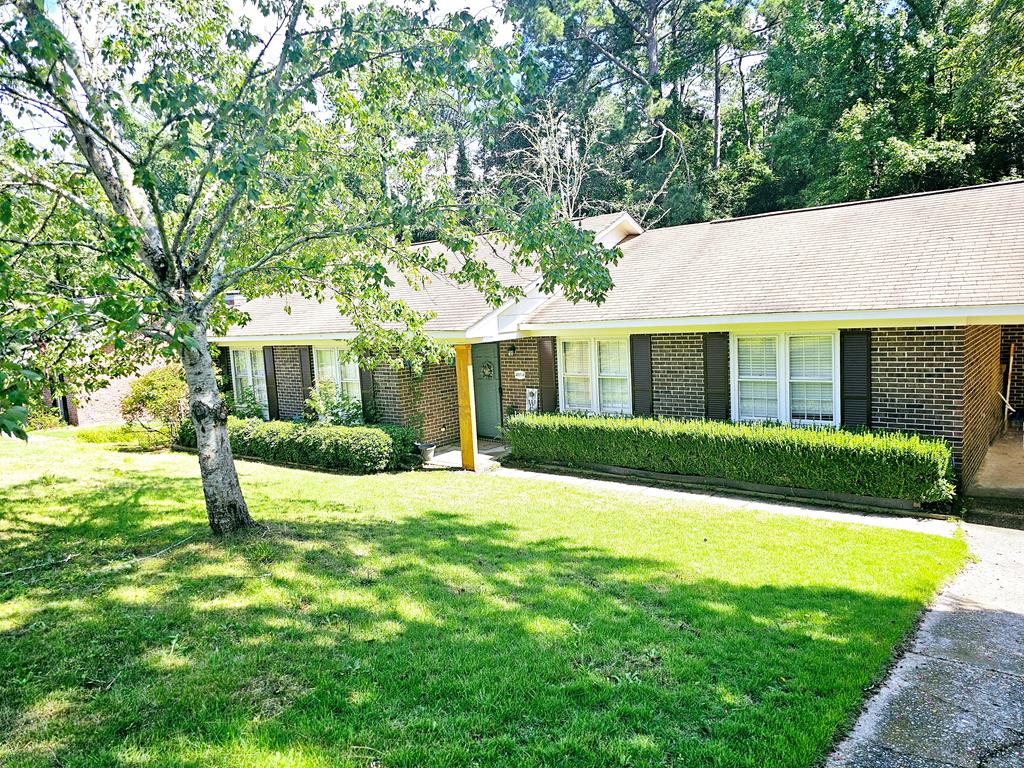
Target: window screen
point(757, 377)
point(248, 374)
point(613, 376)
point(576, 372)
point(811, 379)
point(331, 366)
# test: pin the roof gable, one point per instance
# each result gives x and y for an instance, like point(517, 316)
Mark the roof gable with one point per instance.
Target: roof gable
point(456, 307)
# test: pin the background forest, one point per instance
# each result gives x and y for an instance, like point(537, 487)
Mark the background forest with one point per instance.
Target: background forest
point(684, 111)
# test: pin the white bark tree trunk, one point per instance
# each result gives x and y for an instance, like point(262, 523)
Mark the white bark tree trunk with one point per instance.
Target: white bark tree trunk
point(225, 505)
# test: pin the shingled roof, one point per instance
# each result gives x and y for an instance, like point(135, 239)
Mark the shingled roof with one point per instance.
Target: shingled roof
point(947, 250)
point(456, 307)
point(950, 249)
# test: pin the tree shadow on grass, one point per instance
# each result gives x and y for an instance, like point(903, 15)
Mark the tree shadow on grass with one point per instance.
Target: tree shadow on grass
point(427, 640)
point(119, 516)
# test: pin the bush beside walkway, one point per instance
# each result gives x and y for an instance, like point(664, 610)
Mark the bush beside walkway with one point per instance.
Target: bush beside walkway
point(867, 464)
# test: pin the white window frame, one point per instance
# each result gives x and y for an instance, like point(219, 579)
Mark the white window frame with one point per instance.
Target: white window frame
point(256, 358)
point(782, 374)
point(337, 374)
point(594, 374)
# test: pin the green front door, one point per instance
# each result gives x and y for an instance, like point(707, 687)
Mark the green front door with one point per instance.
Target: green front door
point(487, 389)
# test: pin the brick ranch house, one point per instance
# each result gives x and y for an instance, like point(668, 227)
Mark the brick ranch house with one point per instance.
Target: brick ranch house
point(894, 314)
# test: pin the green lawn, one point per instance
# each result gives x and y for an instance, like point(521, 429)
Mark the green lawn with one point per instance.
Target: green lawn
point(428, 619)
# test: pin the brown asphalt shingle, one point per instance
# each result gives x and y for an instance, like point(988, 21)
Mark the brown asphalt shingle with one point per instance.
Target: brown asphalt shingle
point(950, 249)
point(457, 307)
point(956, 248)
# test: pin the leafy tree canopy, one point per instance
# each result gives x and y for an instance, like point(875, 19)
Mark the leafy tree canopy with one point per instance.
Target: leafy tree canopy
point(734, 107)
point(155, 154)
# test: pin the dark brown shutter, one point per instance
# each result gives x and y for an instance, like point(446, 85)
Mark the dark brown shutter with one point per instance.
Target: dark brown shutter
point(855, 378)
point(548, 385)
point(306, 371)
point(268, 369)
point(716, 376)
point(222, 361)
point(366, 393)
point(640, 369)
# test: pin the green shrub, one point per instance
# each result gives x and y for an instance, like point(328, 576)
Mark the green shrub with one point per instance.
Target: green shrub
point(404, 444)
point(883, 465)
point(122, 434)
point(42, 417)
point(327, 404)
point(246, 405)
point(351, 449)
point(160, 396)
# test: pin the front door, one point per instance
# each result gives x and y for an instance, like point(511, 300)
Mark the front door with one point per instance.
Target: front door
point(487, 389)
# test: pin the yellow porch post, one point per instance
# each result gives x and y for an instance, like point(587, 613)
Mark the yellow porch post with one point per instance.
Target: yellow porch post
point(467, 407)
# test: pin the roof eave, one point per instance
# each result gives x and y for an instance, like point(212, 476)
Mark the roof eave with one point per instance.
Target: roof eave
point(995, 314)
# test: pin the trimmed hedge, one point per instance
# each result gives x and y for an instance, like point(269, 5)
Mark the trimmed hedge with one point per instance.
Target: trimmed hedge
point(362, 450)
point(882, 465)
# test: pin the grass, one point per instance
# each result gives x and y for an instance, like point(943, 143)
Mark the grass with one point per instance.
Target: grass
point(428, 619)
point(124, 435)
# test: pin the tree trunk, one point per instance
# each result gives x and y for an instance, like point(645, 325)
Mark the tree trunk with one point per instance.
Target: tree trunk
point(225, 506)
point(653, 64)
point(743, 102)
point(717, 118)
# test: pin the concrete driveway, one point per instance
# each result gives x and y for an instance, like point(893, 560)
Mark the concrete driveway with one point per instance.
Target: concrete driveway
point(957, 697)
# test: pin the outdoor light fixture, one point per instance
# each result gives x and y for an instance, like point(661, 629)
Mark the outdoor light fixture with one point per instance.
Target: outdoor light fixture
point(511, 350)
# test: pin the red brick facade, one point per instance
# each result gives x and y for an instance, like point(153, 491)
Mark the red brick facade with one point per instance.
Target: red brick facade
point(942, 382)
point(434, 397)
point(290, 399)
point(677, 372)
point(982, 406)
point(428, 402)
point(1014, 334)
point(399, 396)
point(936, 381)
point(525, 358)
point(917, 381)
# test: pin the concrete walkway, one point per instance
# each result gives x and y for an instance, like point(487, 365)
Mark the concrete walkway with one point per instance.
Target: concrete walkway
point(957, 697)
point(1001, 474)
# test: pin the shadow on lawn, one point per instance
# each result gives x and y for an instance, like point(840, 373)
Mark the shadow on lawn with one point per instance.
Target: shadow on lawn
point(427, 640)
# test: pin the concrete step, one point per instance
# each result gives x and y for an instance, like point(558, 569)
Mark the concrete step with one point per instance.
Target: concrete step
point(995, 510)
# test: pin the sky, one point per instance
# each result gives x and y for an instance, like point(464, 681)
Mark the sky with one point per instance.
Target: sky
point(483, 8)
point(37, 129)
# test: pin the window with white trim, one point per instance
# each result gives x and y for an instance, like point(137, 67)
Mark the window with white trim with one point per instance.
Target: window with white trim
point(786, 377)
point(811, 379)
point(757, 377)
point(576, 366)
point(595, 375)
point(330, 365)
point(247, 372)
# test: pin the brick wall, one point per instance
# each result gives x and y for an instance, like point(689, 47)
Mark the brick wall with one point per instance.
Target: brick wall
point(982, 406)
point(104, 406)
point(288, 375)
point(916, 381)
point(525, 359)
point(388, 387)
point(1015, 334)
point(399, 397)
point(677, 370)
point(438, 403)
